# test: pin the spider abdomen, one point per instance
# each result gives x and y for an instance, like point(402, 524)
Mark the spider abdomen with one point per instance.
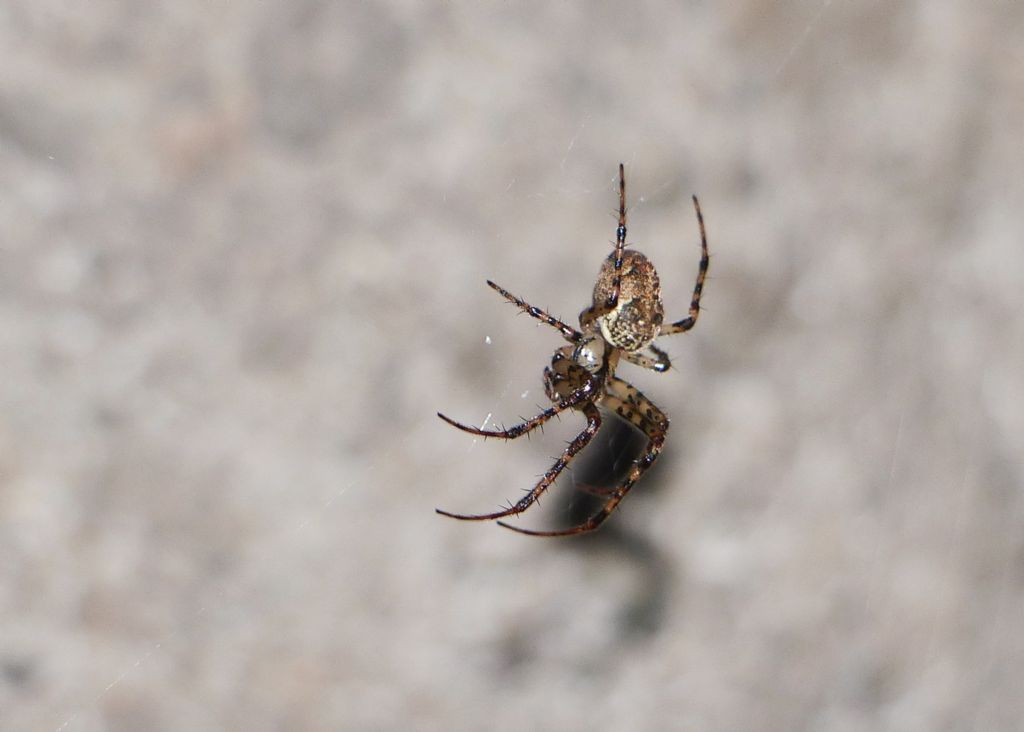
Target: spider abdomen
point(637, 317)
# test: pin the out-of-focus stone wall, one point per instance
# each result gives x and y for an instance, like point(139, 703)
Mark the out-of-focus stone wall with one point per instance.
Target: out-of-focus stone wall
point(242, 259)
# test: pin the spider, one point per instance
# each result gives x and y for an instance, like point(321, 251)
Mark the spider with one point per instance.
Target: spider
point(622, 322)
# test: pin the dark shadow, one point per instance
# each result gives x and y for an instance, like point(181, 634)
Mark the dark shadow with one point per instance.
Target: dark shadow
point(602, 465)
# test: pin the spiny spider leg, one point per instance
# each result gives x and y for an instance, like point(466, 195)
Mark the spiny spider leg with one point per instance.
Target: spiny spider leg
point(691, 320)
point(581, 441)
point(596, 310)
point(627, 402)
point(620, 242)
point(568, 332)
point(583, 394)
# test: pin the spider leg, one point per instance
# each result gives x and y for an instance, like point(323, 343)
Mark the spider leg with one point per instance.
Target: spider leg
point(630, 404)
point(691, 320)
point(627, 402)
point(584, 393)
point(568, 332)
point(620, 243)
point(659, 363)
point(581, 441)
point(598, 310)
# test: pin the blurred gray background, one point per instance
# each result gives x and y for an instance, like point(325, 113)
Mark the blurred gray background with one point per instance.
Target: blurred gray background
point(242, 259)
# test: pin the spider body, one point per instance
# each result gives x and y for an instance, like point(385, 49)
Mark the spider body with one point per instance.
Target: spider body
point(624, 318)
point(635, 320)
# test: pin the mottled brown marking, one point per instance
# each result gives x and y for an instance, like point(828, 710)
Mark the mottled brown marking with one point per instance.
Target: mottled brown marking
point(636, 319)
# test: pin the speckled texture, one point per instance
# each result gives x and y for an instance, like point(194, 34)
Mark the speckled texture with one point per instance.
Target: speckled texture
point(242, 259)
point(638, 312)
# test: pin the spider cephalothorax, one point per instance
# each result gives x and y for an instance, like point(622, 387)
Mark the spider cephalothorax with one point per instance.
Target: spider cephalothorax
point(622, 322)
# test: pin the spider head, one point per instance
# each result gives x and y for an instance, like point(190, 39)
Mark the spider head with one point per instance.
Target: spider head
point(573, 367)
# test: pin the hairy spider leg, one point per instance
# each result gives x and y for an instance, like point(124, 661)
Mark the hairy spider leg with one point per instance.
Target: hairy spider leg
point(568, 332)
point(598, 310)
point(620, 241)
point(691, 320)
point(581, 441)
point(584, 394)
point(628, 403)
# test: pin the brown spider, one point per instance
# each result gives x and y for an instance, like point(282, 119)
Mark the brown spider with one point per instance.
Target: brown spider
point(624, 319)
